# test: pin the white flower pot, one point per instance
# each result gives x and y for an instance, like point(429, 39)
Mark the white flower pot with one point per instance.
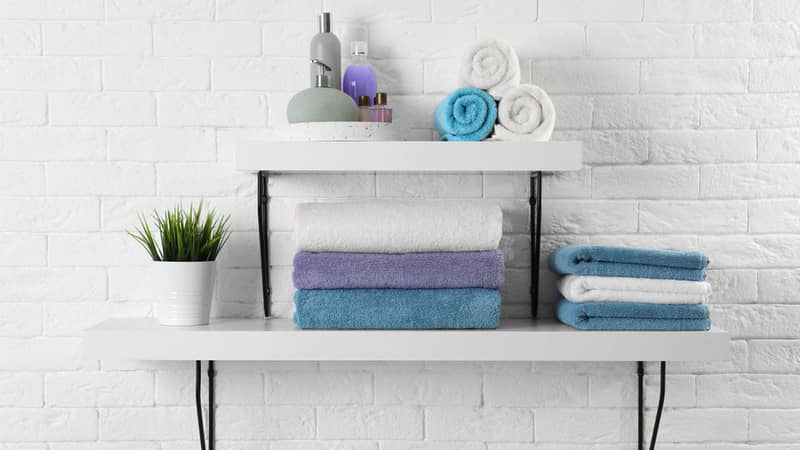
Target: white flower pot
point(185, 290)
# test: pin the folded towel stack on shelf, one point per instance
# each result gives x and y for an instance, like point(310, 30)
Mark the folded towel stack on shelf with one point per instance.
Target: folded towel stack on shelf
point(398, 265)
point(621, 288)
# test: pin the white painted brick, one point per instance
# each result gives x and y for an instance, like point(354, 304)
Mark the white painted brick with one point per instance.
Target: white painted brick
point(366, 11)
point(21, 390)
point(749, 111)
point(586, 76)
point(414, 111)
point(589, 217)
point(779, 145)
point(265, 73)
point(479, 367)
point(149, 424)
point(776, 10)
point(229, 139)
point(17, 108)
point(49, 73)
point(203, 179)
point(778, 286)
point(33, 424)
point(399, 76)
point(50, 284)
point(736, 363)
point(233, 386)
point(19, 179)
point(639, 40)
point(52, 9)
point(100, 39)
point(702, 146)
point(590, 10)
point(95, 249)
point(129, 445)
point(751, 251)
point(652, 111)
point(99, 389)
point(749, 180)
point(774, 75)
point(775, 425)
point(506, 185)
point(369, 422)
point(774, 216)
point(689, 11)
point(478, 424)
point(118, 108)
point(418, 40)
point(427, 388)
point(740, 390)
point(774, 356)
point(745, 321)
point(160, 9)
point(212, 109)
point(484, 11)
point(72, 318)
point(52, 144)
point(271, 10)
point(609, 146)
point(318, 445)
point(584, 425)
point(718, 425)
point(693, 217)
point(645, 182)
point(121, 213)
point(49, 214)
point(40, 354)
point(18, 38)
point(74, 178)
point(422, 445)
point(161, 144)
point(622, 391)
point(733, 286)
point(439, 76)
point(207, 39)
point(574, 112)
point(371, 366)
point(577, 184)
point(290, 39)
point(747, 40)
point(535, 390)
point(23, 250)
point(541, 40)
point(707, 75)
point(322, 185)
point(20, 320)
point(153, 73)
point(427, 185)
point(318, 388)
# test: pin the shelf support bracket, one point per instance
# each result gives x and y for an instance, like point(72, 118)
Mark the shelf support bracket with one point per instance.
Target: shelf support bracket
point(535, 229)
point(263, 237)
point(659, 410)
point(198, 403)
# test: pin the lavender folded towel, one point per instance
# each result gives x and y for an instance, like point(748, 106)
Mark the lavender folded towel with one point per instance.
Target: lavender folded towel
point(434, 270)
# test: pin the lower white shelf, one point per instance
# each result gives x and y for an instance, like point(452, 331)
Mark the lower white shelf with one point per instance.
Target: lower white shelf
point(280, 340)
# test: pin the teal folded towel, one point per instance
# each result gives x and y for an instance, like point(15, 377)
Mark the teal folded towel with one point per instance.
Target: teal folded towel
point(467, 114)
point(397, 308)
point(632, 316)
point(629, 262)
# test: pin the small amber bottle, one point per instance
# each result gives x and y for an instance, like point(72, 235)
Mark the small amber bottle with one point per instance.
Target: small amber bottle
point(363, 108)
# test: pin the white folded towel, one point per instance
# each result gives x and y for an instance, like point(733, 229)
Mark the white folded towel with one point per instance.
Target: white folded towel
point(397, 226)
point(578, 288)
point(525, 113)
point(491, 65)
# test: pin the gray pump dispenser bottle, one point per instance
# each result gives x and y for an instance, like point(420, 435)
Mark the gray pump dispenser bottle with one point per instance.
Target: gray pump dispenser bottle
point(325, 47)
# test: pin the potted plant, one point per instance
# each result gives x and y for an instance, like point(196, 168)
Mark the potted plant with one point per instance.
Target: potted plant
point(184, 261)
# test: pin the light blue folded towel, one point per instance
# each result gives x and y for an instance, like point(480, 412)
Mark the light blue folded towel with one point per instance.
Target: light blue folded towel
point(629, 262)
point(397, 308)
point(632, 316)
point(467, 114)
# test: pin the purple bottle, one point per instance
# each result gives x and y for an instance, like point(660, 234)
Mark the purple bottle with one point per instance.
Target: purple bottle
point(359, 78)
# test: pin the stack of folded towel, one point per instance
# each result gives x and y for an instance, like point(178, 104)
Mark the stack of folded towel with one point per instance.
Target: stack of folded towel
point(620, 288)
point(491, 73)
point(398, 265)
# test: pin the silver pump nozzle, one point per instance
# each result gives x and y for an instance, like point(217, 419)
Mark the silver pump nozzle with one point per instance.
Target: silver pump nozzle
point(322, 79)
point(325, 22)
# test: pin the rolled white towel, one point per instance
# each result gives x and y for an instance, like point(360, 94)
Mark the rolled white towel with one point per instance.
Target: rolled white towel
point(579, 288)
point(397, 226)
point(491, 65)
point(525, 113)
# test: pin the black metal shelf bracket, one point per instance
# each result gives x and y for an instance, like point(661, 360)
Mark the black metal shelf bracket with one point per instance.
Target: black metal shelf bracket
point(535, 230)
point(659, 409)
point(211, 404)
point(263, 237)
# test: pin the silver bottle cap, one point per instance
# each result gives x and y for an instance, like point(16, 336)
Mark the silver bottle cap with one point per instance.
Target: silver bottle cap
point(325, 22)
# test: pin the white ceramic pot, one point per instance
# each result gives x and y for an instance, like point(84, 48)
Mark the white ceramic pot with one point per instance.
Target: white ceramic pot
point(185, 290)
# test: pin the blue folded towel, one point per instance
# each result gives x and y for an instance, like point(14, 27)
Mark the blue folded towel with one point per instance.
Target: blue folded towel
point(632, 316)
point(467, 114)
point(629, 262)
point(397, 308)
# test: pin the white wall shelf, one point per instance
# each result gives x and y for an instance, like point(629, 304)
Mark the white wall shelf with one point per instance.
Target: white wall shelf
point(411, 156)
point(280, 340)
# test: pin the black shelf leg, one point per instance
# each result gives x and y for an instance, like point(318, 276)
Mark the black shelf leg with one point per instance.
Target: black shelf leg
point(535, 229)
point(659, 410)
point(198, 382)
point(211, 407)
point(263, 237)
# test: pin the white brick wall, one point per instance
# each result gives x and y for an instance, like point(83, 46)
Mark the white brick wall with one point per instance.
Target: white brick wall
point(689, 113)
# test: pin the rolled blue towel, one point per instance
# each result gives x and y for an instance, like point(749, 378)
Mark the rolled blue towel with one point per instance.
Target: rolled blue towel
point(629, 262)
point(467, 114)
point(632, 316)
point(397, 308)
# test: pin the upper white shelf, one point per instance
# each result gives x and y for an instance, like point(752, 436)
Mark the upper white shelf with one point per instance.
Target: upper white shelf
point(408, 156)
point(281, 340)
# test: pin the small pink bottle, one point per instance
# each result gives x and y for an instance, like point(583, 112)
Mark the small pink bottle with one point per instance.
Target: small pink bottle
point(380, 111)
